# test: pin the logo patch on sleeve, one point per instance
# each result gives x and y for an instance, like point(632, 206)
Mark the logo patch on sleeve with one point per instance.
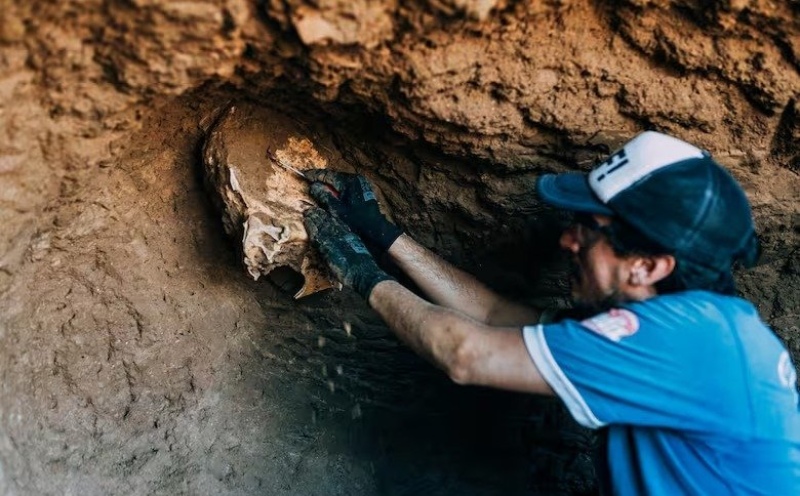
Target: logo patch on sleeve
point(615, 324)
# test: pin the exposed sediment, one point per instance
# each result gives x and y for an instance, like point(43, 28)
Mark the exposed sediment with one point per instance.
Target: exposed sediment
point(138, 357)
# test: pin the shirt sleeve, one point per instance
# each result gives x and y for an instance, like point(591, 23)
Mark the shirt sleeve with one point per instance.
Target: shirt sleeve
point(630, 367)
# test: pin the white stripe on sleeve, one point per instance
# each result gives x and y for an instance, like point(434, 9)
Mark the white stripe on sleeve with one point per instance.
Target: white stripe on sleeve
point(555, 377)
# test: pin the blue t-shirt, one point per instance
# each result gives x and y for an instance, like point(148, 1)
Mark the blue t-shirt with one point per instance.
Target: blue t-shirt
point(698, 396)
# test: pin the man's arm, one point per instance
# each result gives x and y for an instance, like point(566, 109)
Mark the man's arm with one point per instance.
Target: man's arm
point(453, 288)
point(468, 351)
point(355, 204)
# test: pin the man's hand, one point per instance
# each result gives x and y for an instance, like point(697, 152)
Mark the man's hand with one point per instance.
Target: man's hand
point(356, 206)
point(344, 253)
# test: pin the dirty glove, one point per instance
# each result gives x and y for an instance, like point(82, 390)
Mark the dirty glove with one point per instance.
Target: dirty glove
point(356, 206)
point(344, 253)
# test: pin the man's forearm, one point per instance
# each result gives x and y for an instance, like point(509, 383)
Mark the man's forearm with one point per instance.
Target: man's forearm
point(468, 351)
point(426, 328)
point(453, 288)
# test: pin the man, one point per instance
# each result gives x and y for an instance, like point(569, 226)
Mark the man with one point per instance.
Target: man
point(694, 394)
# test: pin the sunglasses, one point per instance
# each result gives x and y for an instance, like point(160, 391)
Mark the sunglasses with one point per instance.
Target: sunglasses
point(589, 222)
point(622, 238)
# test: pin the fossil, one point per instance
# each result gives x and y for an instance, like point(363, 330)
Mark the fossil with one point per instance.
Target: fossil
point(262, 203)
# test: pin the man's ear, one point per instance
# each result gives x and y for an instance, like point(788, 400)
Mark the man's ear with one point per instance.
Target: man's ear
point(646, 271)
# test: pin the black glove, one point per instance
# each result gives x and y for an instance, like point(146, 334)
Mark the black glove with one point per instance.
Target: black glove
point(356, 206)
point(344, 253)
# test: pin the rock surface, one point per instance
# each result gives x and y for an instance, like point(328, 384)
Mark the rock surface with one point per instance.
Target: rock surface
point(137, 357)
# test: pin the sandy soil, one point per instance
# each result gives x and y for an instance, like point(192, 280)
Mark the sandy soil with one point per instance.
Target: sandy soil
point(138, 357)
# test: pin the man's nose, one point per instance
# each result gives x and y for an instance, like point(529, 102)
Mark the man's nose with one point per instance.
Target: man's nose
point(569, 239)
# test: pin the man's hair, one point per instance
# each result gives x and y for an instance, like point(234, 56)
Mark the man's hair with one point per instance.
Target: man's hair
point(627, 241)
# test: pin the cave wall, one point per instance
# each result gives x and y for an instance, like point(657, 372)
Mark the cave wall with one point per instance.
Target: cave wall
point(136, 357)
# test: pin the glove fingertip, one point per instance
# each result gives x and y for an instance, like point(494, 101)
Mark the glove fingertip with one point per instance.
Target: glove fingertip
point(313, 174)
point(313, 212)
point(318, 188)
point(313, 218)
point(316, 191)
point(323, 195)
point(339, 180)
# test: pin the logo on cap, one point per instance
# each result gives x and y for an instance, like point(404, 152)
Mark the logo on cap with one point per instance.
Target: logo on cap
point(639, 158)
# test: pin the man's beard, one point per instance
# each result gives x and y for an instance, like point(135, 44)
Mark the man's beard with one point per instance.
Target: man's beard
point(587, 308)
point(614, 299)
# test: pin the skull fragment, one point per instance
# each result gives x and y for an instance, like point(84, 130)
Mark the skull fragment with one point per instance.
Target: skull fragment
point(261, 202)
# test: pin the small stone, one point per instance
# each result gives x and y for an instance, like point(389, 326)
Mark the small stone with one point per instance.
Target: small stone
point(12, 28)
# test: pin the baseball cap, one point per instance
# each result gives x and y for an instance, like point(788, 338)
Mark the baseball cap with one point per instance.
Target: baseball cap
point(671, 192)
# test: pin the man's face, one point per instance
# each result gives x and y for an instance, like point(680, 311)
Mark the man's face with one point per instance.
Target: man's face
point(597, 273)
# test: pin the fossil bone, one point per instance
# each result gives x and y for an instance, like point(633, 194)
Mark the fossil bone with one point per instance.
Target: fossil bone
point(261, 202)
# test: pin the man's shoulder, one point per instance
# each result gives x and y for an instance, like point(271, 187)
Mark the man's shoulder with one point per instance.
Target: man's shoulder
point(688, 320)
point(697, 307)
point(696, 297)
point(689, 317)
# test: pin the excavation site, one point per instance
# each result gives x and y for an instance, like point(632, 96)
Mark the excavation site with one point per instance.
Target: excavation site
point(166, 327)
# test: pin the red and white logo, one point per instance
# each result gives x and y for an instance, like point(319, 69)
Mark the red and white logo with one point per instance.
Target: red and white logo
point(615, 324)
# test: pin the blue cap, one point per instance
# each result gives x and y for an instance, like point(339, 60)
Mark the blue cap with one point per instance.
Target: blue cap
point(672, 192)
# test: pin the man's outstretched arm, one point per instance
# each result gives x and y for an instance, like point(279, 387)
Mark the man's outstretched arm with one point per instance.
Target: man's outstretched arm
point(453, 288)
point(467, 351)
point(351, 199)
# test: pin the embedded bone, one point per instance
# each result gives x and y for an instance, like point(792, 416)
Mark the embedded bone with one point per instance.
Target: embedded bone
point(261, 202)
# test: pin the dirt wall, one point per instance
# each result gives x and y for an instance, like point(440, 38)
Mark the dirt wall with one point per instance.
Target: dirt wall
point(136, 356)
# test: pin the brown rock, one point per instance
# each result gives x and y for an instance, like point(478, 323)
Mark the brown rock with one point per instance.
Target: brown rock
point(12, 29)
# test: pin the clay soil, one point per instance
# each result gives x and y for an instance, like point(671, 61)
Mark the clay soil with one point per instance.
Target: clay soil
point(137, 356)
